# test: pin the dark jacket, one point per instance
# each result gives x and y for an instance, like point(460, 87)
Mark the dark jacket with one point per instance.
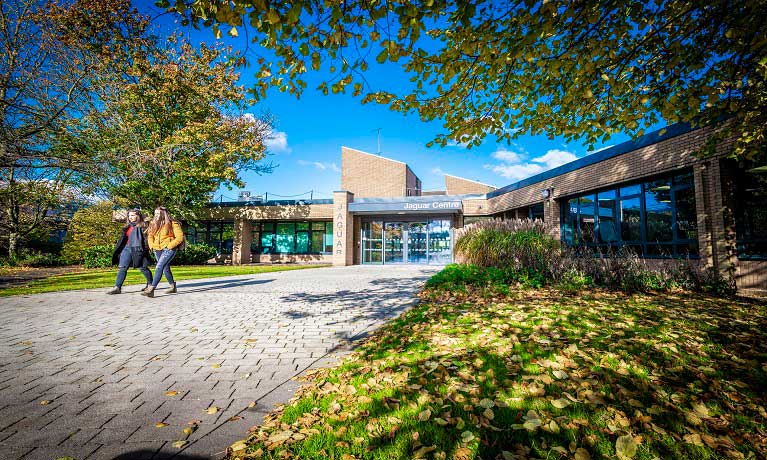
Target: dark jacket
point(139, 258)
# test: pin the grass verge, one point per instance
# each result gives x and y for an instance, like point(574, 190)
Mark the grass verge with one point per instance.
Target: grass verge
point(538, 374)
point(98, 278)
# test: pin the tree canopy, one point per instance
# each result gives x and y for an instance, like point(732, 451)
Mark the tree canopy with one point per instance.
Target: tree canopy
point(577, 69)
point(172, 131)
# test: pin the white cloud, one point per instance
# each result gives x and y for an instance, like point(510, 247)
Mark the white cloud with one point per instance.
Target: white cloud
point(554, 158)
point(320, 166)
point(516, 172)
point(507, 156)
point(437, 171)
point(277, 142)
point(514, 166)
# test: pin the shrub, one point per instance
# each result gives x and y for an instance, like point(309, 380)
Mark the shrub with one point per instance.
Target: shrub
point(98, 256)
point(31, 258)
point(195, 254)
point(91, 226)
point(460, 277)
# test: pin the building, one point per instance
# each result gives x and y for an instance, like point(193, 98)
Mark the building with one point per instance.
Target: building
point(652, 194)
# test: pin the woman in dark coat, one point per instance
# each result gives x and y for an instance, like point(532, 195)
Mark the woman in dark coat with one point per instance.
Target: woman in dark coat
point(131, 250)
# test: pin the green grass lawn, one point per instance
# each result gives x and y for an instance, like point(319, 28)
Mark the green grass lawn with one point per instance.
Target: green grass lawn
point(97, 278)
point(539, 375)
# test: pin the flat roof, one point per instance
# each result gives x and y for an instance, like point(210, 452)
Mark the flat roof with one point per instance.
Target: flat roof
point(654, 137)
point(233, 204)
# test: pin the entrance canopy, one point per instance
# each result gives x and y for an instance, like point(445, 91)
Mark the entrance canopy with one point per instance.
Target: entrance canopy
point(406, 205)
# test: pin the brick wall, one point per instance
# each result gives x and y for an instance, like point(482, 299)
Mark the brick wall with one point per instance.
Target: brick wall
point(367, 175)
point(460, 186)
point(668, 155)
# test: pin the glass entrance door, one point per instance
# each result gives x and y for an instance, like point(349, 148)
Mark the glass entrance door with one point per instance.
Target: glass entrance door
point(427, 242)
point(416, 243)
point(394, 242)
point(372, 243)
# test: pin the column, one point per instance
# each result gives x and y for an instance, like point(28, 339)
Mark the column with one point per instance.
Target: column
point(343, 229)
point(241, 244)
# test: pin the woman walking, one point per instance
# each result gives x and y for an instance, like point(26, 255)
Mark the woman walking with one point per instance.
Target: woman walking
point(131, 250)
point(165, 237)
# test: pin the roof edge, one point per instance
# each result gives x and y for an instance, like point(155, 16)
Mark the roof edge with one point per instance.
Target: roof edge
point(654, 137)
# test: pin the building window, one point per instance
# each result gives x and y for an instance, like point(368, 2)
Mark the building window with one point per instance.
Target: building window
point(218, 234)
point(751, 213)
point(292, 238)
point(656, 218)
point(536, 212)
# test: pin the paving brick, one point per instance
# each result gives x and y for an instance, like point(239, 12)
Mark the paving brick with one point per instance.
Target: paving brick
point(108, 384)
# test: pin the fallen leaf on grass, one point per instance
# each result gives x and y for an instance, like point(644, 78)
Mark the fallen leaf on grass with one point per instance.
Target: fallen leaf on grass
point(582, 454)
point(238, 446)
point(693, 439)
point(625, 447)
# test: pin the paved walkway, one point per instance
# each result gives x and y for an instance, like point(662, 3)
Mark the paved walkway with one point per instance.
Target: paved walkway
point(89, 376)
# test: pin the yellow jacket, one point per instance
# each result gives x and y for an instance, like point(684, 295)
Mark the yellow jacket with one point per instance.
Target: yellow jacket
point(168, 237)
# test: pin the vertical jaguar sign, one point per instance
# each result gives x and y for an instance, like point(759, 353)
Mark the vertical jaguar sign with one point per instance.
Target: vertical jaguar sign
point(341, 222)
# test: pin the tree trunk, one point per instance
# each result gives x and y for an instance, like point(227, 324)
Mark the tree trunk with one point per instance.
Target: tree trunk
point(13, 243)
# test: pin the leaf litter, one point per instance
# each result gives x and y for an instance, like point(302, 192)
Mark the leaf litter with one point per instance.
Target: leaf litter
point(534, 375)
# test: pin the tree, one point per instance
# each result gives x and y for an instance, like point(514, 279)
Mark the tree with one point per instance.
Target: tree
point(581, 70)
point(90, 226)
point(172, 132)
point(27, 196)
point(53, 52)
point(54, 56)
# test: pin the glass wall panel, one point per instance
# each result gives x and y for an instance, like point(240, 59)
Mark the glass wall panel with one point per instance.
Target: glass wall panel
point(658, 220)
point(227, 237)
point(416, 243)
point(393, 242)
point(608, 224)
point(328, 238)
point(372, 243)
point(440, 251)
point(570, 223)
point(655, 219)
point(751, 212)
point(631, 219)
point(587, 211)
point(286, 237)
point(302, 242)
point(686, 217)
point(536, 211)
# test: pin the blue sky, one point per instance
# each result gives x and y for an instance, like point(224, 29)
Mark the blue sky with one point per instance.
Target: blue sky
point(309, 132)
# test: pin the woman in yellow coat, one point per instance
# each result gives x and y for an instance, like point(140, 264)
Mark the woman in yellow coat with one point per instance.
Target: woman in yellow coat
point(165, 236)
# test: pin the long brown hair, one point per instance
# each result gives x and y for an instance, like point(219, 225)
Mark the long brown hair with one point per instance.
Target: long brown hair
point(140, 222)
point(165, 220)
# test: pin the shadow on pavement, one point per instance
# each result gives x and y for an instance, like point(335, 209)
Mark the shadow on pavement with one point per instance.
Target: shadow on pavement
point(211, 285)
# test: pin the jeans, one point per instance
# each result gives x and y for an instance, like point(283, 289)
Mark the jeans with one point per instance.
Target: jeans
point(164, 256)
point(122, 267)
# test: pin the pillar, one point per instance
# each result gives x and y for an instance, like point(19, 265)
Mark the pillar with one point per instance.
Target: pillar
point(241, 244)
point(343, 229)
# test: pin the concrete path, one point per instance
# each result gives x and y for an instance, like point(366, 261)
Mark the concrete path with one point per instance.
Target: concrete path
point(88, 376)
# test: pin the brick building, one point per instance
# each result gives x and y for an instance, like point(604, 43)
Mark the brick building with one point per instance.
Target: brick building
point(652, 194)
